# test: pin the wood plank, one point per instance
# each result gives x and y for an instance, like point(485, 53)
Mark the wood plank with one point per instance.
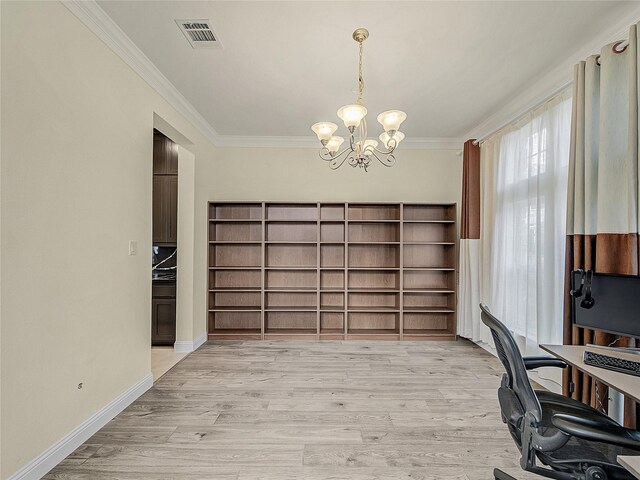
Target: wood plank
point(268, 410)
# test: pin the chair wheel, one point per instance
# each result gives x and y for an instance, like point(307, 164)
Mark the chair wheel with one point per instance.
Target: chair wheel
point(595, 473)
point(500, 475)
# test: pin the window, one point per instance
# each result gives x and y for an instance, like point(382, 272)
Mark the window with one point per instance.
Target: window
point(529, 207)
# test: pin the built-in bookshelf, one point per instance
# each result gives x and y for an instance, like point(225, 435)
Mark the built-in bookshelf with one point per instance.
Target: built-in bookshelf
point(332, 271)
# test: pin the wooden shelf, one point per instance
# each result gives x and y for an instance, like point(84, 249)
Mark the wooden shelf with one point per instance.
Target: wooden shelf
point(305, 220)
point(238, 331)
point(428, 221)
point(372, 332)
point(236, 309)
point(428, 290)
point(373, 221)
point(289, 331)
point(289, 289)
point(235, 268)
point(373, 309)
point(282, 242)
point(291, 309)
point(428, 310)
point(231, 242)
point(374, 290)
point(234, 220)
point(235, 289)
point(290, 268)
point(443, 269)
point(331, 270)
point(429, 243)
point(373, 243)
point(394, 269)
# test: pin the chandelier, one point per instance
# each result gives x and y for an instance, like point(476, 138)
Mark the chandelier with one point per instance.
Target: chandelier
point(361, 150)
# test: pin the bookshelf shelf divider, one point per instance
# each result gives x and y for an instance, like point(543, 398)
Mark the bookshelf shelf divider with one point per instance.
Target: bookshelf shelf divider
point(332, 271)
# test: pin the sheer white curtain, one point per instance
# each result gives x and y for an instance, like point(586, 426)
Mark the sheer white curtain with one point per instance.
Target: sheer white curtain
point(524, 182)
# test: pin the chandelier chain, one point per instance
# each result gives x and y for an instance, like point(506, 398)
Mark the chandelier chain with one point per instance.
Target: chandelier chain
point(360, 79)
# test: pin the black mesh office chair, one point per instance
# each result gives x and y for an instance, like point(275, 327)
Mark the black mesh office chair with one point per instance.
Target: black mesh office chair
point(573, 440)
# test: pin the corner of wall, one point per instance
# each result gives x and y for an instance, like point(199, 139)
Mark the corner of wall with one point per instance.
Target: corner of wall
point(43, 463)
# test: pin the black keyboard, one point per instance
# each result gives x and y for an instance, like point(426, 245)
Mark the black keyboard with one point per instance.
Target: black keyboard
point(612, 363)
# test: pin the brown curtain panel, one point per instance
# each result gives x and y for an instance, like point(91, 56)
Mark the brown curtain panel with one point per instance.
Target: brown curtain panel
point(470, 227)
point(603, 207)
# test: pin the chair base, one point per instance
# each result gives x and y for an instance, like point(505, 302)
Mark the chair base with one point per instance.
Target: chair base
point(500, 475)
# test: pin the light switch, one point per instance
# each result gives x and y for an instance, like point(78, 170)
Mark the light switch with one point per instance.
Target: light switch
point(133, 247)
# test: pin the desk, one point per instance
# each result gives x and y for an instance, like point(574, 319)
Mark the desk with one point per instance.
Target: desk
point(626, 384)
point(573, 354)
point(631, 463)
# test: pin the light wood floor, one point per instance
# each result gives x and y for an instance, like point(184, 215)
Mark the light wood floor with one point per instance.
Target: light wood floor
point(163, 359)
point(287, 410)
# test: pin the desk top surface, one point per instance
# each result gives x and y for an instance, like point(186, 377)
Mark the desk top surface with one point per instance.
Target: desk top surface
point(631, 463)
point(573, 355)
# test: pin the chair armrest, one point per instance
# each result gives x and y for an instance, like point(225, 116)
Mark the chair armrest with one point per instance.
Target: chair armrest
point(536, 362)
point(597, 430)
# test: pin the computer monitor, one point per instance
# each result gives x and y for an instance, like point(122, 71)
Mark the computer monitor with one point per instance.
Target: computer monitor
point(616, 303)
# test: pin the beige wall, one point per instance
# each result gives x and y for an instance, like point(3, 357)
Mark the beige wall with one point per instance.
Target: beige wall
point(75, 187)
point(269, 174)
point(185, 330)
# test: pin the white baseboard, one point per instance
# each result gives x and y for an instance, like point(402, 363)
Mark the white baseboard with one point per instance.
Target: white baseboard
point(187, 346)
point(43, 463)
point(201, 340)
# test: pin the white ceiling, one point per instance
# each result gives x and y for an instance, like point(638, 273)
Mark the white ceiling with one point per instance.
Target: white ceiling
point(287, 65)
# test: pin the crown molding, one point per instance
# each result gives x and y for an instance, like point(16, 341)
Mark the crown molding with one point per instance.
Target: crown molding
point(103, 26)
point(432, 143)
point(257, 141)
point(242, 141)
point(554, 81)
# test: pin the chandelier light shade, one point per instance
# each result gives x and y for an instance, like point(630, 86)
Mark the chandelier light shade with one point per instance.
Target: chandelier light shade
point(391, 120)
point(397, 138)
point(352, 115)
point(334, 143)
point(324, 130)
point(361, 150)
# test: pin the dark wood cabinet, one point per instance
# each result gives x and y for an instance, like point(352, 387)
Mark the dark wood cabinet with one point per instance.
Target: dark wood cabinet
point(163, 315)
point(171, 204)
point(165, 209)
point(159, 223)
point(165, 190)
point(165, 155)
point(165, 233)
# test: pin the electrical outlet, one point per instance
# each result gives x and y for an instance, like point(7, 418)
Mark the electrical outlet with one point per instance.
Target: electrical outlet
point(133, 247)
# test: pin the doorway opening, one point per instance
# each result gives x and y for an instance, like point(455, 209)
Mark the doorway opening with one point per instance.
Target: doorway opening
point(164, 265)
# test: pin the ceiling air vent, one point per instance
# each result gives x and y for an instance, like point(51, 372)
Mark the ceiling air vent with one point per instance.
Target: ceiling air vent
point(199, 33)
